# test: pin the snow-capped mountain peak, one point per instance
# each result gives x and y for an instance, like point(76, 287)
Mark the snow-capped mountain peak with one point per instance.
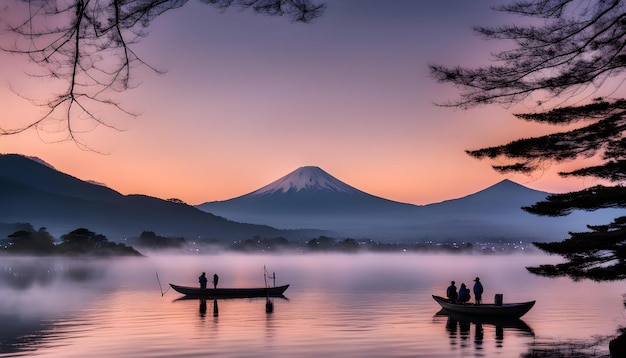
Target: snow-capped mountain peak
point(309, 178)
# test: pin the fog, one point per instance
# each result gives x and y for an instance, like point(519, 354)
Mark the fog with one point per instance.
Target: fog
point(52, 300)
point(51, 286)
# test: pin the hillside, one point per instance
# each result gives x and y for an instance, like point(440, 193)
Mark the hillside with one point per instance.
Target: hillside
point(304, 204)
point(311, 198)
point(38, 194)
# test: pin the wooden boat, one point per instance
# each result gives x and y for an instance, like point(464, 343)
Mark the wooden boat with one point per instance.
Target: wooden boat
point(509, 310)
point(231, 292)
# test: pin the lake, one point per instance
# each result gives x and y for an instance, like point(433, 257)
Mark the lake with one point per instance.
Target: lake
point(340, 305)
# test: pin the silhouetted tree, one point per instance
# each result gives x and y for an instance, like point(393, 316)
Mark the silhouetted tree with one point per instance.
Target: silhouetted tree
point(82, 240)
point(38, 242)
point(578, 46)
point(85, 242)
point(151, 240)
point(348, 245)
point(321, 243)
point(86, 47)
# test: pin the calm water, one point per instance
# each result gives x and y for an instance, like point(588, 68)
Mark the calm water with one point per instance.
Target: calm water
point(366, 305)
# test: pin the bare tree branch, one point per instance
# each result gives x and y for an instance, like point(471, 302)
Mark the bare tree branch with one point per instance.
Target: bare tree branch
point(574, 49)
point(86, 47)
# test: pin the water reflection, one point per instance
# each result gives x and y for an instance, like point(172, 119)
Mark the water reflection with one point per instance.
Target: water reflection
point(37, 292)
point(459, 328)
point(357, 305)
point(26, 273)
point(202, 310)
point(203, 307)
point(21, 335)
point(269, 306)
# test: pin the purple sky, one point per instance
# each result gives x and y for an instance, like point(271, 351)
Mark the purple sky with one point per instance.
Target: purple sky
point(247, 99)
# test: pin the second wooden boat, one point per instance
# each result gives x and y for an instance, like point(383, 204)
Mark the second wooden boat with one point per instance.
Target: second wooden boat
point(231, 292)
point(509, 310)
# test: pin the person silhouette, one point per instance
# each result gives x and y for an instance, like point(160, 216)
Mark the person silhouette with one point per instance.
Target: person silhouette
point(464, 294)
point(215, 279)
point(202, 279)
point(478, 291)
point(451, 292)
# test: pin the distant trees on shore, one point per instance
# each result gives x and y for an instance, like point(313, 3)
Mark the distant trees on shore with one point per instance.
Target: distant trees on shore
point(151, 240)
point(25, 240)
point(79, 242)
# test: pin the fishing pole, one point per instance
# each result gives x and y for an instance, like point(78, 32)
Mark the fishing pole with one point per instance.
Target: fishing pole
point(160, 287)
point(266, 274)
point(269, 305)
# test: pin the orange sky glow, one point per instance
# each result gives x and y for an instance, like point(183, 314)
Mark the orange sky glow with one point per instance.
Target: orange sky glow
point(247, 99)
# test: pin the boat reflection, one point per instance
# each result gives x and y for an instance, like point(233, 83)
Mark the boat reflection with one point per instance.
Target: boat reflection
point(269, 304)
point(459, 328)
point(203, 307)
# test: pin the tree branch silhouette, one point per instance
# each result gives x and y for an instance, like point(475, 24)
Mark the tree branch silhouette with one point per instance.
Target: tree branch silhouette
point(86, 48)
point(574, 49)
point(580, 44)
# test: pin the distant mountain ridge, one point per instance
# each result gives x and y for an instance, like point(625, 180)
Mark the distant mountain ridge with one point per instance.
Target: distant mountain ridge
point(301, 205)
point(33, 192)
point(309, 197)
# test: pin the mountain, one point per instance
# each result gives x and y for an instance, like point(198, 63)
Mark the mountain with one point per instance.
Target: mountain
point(305, 191)
point(307, 179)
point(36, 193)
point(304, 204)
point(309, 197)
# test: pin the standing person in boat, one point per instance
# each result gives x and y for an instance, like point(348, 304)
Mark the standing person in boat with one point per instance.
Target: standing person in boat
point(464, 294)
point(215, 279)
point(451, 292)
point(203, 280)
point(478, 291)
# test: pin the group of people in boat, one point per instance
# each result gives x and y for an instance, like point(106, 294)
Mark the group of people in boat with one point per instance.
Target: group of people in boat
point(203, 280)
point(463, 295)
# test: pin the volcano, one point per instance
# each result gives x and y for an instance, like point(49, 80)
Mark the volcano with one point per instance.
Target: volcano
point(304, 192)
point(310, 198)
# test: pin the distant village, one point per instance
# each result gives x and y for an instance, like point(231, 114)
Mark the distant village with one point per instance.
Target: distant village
point(149, 241)
point(327, 244)
point(28, 241)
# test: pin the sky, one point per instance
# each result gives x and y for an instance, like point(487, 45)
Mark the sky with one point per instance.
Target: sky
point(247, 99)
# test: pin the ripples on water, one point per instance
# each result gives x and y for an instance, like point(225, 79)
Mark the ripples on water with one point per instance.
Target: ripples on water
point(338, 305)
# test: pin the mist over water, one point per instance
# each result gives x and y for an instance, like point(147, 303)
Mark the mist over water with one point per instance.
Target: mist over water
point(338, 304)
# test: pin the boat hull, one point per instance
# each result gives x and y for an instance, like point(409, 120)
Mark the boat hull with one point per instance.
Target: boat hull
point(508, 310)
point(231, 292)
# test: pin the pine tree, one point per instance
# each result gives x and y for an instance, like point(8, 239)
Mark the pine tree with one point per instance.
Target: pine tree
point(578, 47)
